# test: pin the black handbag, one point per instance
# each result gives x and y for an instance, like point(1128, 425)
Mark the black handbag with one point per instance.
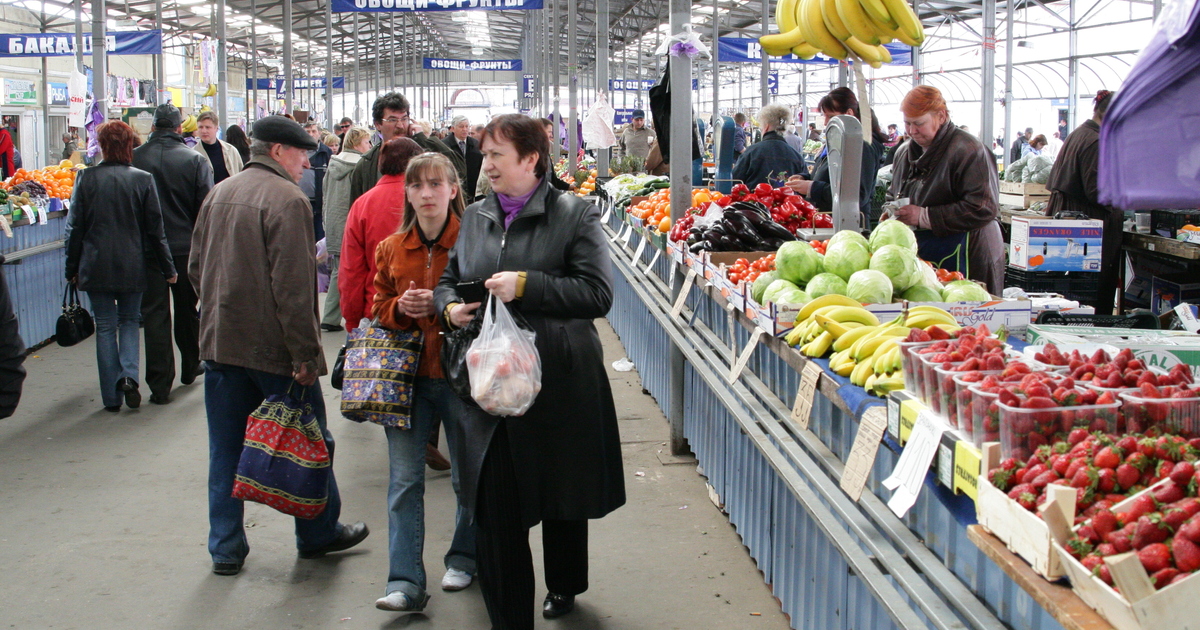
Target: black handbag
point(339, 370)
point(454, 352)
point(75, 324)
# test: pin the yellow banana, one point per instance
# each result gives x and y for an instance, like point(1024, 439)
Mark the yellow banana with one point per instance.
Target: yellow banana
point(833, 21)
point(846, 368)
point(785, 15)
point(834, 327)
point(805, 51)
point(853, 314)
point(856, 21)
point(889, 32)
point(906, 21)
point(861, 372)
point(869, 384)
point(929, 308)
point(925, 320)
point(818, 347)
point(885, 385)
point(781, 41)
point(793, 336)
point(845, 341)
point(883, 332)
point(879, 12)
point(823, 301)
point(870, 346)
point(810, 22)
point(869, 54)
point(885, 54)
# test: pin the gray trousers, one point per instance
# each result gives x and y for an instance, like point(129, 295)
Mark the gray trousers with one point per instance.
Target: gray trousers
point(333, 304)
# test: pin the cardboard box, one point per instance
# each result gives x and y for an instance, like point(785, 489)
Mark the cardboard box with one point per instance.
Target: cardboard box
point(1050, 245)
point(1139, 291)
point(1014, 315)
point(1157, 348)
point(1167, 292)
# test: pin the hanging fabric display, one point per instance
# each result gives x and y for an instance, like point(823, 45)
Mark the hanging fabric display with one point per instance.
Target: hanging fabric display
point(597, 125)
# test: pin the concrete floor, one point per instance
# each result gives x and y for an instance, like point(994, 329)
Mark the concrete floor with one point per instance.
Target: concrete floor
point(104, 525)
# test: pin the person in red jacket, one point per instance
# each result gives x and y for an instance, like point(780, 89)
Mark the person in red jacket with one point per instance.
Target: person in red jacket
point(375, 216)
point(8, 165)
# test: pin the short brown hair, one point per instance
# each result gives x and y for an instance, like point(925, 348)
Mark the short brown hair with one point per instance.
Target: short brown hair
point(395, 154)
point(1039, 140)
point(425, 166)
point(117, 141)
point(209, 116)
point(528, 137)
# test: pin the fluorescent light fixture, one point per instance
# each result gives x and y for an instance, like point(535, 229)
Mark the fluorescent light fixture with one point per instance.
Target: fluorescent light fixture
point(187, 2)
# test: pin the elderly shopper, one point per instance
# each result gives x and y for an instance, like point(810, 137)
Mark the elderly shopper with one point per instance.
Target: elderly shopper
point(542, 252)
point(255, 268)
point(114, 227)
point(771, 160)
point(461, 142)
point(336, 206)
point(1073, 188)
point(410, 263)
point(183, 179)
point(222, 157)
point(842, 102)
point(950, 180)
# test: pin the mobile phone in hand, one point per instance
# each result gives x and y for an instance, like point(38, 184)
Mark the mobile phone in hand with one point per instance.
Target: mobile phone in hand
point(471, 291)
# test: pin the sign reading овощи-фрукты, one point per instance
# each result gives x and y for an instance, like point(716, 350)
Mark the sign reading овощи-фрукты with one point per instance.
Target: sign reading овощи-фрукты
point(351, 6)
point(478, 65)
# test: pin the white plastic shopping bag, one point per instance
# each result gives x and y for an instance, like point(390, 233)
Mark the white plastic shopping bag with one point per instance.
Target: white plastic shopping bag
point(503, 363)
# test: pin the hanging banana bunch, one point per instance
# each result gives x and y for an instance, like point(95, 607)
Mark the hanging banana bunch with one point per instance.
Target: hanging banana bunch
point(842, 29)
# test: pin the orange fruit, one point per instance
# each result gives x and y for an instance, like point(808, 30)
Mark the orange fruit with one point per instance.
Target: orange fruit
point(664, 225)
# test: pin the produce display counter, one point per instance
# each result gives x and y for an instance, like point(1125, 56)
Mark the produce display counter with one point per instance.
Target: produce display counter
point(34, 270)
point(833, 561)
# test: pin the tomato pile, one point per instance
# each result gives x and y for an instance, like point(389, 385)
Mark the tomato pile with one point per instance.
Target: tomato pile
point(819, 246)
point(944, 276)
point(743, 269)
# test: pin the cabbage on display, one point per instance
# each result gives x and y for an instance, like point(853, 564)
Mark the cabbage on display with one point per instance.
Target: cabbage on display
point(899, 264)
point(869, 287)
point(797, 262)
point(847, 256)
point(825, 284)
point(893, 232)
point(964, 291)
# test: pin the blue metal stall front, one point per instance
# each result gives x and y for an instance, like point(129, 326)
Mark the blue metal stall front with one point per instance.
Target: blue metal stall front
point(34, 269)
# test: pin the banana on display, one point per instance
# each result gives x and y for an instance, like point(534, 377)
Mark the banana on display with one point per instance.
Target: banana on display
point(843, 29)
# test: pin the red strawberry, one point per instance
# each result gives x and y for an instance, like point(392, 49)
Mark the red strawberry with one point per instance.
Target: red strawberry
point(1089, 562)
point(1187, 554)
point(1173, 518)
point(1104, 522)
point(1191, 529)
point(1060, 464)
point(1085, 477)
point(1138, 460)
point(1127, 444)
point(1088, 533)
point(1164, 577)
point(1105, 574)
point(1000, 478)
point(1107, 458)
point(1142, 505)
point(1155, 557)
point(994, 362)
point(1150, 530)
point(1106, 549)
point(1168, 493)
point(1127, 476)
point(1044, 479)
point(1106, 480)
point(1024, 494)
point(1149, 391)
point(1077, 436)
point(1120, 541)
point(1182, 473)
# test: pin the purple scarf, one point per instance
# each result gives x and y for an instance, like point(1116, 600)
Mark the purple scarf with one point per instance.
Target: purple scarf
point(511, 206)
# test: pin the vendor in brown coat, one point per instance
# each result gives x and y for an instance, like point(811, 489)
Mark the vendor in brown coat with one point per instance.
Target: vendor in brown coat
point(951, 182)
point(1073, 188)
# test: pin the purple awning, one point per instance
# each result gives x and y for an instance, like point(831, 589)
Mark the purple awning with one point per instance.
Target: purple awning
point(1150, 139)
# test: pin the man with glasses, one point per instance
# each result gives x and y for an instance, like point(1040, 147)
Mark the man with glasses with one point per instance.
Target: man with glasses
point(390, 113)
point(341, 130)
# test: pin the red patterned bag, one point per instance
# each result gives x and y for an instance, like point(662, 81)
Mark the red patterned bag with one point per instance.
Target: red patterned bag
point(285, 462)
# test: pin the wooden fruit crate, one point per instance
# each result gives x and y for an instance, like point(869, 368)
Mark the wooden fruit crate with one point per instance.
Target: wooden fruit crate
point(1138, 606)
point(1022, 531)
point(1021, 194)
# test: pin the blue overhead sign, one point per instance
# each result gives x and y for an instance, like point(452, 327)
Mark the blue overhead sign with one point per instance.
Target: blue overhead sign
point(528, 86)
point(339, 83)
point(63, 44)
point(629, 85)
point(748, 50)
point(479, 65)
point(373, 6)
point(773, 83)
point(58, 93)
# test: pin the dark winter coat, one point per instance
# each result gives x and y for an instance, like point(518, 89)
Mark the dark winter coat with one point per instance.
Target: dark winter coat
point(772, 158)
point(955, 178)
point(473, 160)
point(821, 195)
point(566, 448)
point(114, 228)
point(183, 178)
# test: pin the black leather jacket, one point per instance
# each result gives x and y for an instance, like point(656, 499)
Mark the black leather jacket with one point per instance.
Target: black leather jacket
point(183, 178)
point(114, 228)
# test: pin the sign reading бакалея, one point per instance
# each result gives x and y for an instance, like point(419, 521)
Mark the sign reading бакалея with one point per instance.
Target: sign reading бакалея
point(63, 44)
point(351, 6)
point(481, 65)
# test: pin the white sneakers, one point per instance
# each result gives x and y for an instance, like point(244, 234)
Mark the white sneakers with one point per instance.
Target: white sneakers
point(399, 602)
point(456, 580)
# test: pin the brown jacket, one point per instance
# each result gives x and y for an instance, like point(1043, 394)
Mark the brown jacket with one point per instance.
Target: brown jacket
point(955, 178)
point(254, 267)
point(401, 259)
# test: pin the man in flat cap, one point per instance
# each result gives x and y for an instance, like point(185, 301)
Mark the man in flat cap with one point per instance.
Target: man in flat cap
point(254, 264)
point(183, 178)
point(637, 137)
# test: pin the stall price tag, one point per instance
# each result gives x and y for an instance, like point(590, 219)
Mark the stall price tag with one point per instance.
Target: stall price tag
point(637, 255)
point(43, 215)
point(747, 352)
point(862, 453)
point(607, 214)
point(967, 463)
point(909, 475)
point(650, 267)
point(6, 225)
point(810, 377)
point(893, 409)
point(945, 465)
point(688, 281)
point(629, 236)
point(620, 234)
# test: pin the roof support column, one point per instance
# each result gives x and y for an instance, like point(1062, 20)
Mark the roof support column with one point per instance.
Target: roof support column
point(555, 57)
point(392, 20)
point(1072, 70)
point(1008, 81)
point(222, 71)
point(79, 33)
point(572, 87)
point(354, 55)
point(987, 98)
point(765, 66)
point(803, 102)
point(716, 62)
point(46, 152)
point(377, 38)
point(681, 193)
point(253, 60)
point(159, 70)
point(99, 56)
point(602, 18)
point(288, 82)
point(916, 50)
point(329, 65)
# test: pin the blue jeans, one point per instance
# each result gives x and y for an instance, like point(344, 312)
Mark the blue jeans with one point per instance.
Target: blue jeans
point(406, 491)
point(117, 317)
point(231, 394)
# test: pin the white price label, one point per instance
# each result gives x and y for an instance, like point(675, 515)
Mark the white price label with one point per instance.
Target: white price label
point(810, 378)
point(606, 215)
point(650, 267)
point(747, 352)
point(629, 236)
point(637, 255)
point(621, 233)
point(909, 474)
point(688, 281)
point(862, 454)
